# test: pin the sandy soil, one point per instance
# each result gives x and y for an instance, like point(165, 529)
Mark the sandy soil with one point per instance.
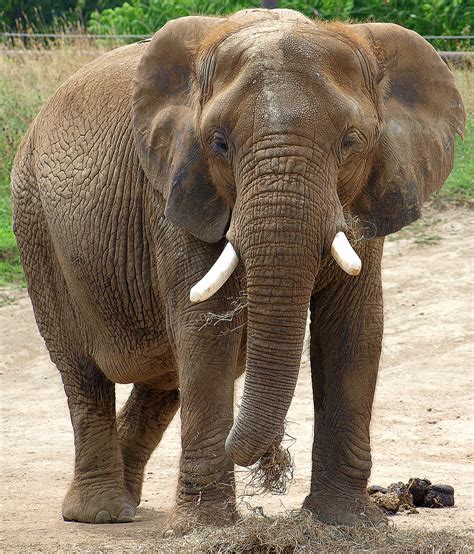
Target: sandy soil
point(422, 421)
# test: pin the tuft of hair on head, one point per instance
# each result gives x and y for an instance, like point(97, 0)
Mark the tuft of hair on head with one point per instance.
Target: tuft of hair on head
point(220, 32)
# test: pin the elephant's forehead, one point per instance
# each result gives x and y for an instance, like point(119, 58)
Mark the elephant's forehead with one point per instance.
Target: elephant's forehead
point(287, 60)
point(291, 50)
point(278, 45)
point(257, 45)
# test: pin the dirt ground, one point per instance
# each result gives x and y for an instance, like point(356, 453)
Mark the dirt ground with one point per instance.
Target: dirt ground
point(422, 420)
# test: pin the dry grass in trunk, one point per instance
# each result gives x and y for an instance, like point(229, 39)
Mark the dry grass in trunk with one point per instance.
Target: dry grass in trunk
point(273, 473)
point(238, 305)
point(357, 230)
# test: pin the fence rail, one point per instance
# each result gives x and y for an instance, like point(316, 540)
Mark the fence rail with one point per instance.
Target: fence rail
point(87, 36)
point(69, 35)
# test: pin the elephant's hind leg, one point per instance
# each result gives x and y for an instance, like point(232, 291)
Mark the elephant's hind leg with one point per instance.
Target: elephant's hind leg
point(97, 493)
point(141, 424)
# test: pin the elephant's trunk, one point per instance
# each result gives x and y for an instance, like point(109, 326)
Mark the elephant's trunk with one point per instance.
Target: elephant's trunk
point(281, 247)
point(278, 296)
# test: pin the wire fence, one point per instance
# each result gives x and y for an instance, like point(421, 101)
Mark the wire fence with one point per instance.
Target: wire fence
point(456, 50)
point(75, 36)
point(71, 36)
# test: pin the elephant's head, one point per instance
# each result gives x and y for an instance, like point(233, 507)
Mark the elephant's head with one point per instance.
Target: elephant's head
point(270, 128)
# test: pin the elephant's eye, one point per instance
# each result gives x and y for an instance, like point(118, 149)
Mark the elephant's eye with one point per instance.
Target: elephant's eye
point(351, 142)
point(220, 145)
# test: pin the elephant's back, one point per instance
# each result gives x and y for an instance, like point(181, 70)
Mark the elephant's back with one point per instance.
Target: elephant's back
point(81, 149)
point(101, 88)
point(83, 134)
point(81, 106)
point(85, 109)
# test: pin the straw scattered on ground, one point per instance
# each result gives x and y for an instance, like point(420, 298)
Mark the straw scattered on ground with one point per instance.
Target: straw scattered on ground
point(299, 532)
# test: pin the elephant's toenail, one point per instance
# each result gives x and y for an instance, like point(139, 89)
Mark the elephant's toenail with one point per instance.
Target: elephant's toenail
point(103, 517)
point(127, 515)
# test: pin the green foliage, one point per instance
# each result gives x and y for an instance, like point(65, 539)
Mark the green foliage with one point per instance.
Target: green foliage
point(432, 17)
point(429, 17)
point(460, 183)
point(10, 267)
point(145, 17)
point(42, 16)
point(137, 17)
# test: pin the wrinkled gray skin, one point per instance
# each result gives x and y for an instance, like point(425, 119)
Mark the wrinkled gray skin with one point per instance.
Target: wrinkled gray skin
point(273, 129)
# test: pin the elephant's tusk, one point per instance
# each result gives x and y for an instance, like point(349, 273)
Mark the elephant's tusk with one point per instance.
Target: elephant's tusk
point(344, 254)
point(216, 276)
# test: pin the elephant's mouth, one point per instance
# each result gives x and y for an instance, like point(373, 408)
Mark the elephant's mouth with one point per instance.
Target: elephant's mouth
point(341, 251)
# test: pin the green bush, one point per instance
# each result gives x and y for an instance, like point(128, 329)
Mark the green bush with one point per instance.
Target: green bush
point(431, 17)
point(137, 17)
point(51, 15)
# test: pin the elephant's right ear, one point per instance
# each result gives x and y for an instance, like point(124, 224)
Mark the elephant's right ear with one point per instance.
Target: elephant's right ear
point(163, 124)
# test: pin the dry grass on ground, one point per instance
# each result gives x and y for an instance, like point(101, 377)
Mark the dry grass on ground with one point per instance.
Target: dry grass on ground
point(298, 532)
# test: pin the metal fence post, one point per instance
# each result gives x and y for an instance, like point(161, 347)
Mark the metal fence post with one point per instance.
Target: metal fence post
point(270, 4)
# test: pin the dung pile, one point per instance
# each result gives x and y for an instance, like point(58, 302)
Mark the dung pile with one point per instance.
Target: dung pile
point(407, 497)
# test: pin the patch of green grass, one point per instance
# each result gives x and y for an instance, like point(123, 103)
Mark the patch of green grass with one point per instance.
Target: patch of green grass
point(27, 79)
point(7, 299)
point(427, 240)
point(11, 272)
point(421, 232)
point(460, 183)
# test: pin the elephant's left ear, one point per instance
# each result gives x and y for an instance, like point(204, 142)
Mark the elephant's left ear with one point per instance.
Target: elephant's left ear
point(165, 137)
point(422, 112)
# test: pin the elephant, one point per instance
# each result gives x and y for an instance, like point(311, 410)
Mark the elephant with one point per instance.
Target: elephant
point(259, 159)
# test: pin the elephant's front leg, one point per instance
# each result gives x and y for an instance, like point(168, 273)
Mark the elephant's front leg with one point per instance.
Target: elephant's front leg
point(346, 336)
point(207, 358)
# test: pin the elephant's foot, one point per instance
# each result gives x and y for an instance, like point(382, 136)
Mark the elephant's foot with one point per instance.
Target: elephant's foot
point(96, 503)
point(348, 510)
point(185, 519)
